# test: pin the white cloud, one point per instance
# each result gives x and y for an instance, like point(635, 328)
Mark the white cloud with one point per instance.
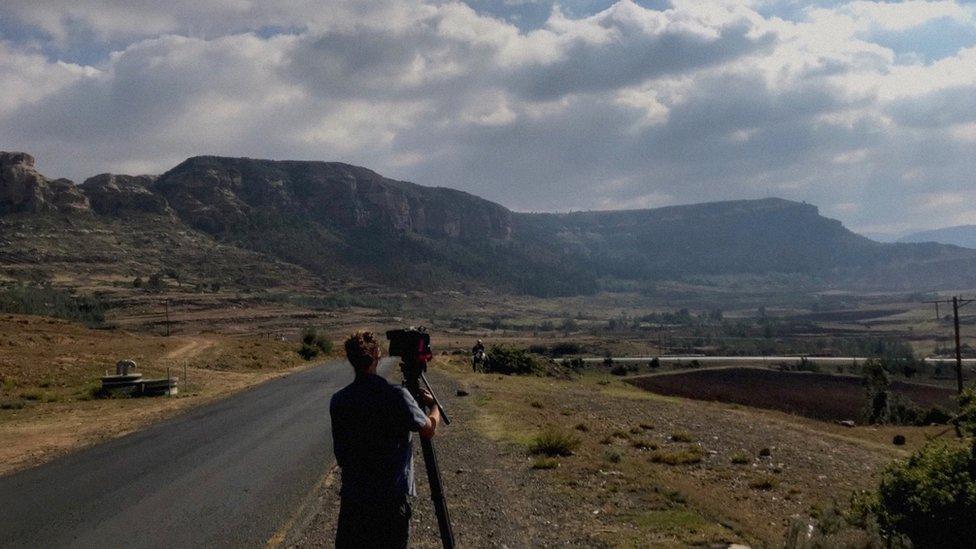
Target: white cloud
point(627, 107)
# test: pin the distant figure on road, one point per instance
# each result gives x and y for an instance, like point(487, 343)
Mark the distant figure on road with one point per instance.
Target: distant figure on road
point(372, 422)
point(478, 356)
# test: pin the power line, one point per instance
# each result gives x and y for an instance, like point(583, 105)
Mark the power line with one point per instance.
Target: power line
point(957, 303)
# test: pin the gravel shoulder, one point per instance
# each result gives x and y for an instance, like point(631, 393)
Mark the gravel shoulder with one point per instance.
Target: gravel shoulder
point(750, 475)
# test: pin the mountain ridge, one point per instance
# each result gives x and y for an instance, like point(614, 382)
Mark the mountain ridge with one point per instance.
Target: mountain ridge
point(956, 235)
point(345, 222)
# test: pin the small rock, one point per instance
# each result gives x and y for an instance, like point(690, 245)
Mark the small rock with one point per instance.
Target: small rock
point(462, 393)
point(846, 423)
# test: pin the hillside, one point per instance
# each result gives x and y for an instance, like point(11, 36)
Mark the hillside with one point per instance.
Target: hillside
point(260, 222)
point(959, 235)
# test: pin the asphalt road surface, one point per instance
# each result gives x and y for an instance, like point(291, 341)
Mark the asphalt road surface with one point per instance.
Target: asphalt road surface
point(230, 473)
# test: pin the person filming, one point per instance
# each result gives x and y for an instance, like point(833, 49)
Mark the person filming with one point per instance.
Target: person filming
point(372, 426)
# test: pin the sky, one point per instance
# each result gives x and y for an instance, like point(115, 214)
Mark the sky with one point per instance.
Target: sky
point(865, 109)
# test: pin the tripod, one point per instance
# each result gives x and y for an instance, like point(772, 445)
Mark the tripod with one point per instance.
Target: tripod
point(413, 373)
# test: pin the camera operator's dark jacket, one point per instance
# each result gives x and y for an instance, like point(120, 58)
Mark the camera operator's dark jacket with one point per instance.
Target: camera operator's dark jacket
point(371, 425)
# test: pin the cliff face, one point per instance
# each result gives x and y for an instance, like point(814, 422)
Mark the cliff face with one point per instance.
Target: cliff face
point(24, 190)
point(343, 221)
point(119, 195)
point(222, 194)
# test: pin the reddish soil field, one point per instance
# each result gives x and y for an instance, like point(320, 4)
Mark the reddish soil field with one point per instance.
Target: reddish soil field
point(818, 396)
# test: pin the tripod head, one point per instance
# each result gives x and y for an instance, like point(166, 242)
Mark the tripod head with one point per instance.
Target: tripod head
point(412, 346)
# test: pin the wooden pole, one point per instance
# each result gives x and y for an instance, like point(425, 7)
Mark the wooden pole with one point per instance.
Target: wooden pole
point(955, 318)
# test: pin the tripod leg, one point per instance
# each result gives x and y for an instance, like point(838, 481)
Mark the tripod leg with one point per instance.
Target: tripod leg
point(437, 493)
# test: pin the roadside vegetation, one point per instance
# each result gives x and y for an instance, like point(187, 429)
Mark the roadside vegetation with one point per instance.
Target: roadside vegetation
point(46, 300)
point(314, 343)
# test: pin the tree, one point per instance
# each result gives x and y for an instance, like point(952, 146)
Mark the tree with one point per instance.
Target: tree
point(879, 391)
point(155, 283)
point(930, 499)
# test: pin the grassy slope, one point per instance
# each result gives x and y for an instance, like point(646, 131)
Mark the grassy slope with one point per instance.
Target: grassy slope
point(628, 499)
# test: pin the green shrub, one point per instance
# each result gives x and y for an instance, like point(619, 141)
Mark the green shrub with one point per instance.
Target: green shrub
point(566, 348)
point(574, 363)
point(48, 301)
point(314, 343)
point(511, 360)
point(554, 442)
point(613, 456)
point(937, 415)
point(308, 352)
point(619, 370)
point(931, 497)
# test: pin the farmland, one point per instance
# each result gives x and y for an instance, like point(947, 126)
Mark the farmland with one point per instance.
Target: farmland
point(814, 395)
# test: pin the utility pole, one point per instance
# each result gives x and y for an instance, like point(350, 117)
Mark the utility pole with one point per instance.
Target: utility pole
point(955, 322)
point(957, 304)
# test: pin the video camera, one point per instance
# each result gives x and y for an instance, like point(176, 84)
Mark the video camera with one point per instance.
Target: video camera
point(412, 345)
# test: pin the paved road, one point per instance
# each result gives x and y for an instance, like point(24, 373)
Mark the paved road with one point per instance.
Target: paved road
point(668, 359)
point(226, 474)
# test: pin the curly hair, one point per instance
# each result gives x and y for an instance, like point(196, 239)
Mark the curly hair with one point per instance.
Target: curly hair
point(362, 349)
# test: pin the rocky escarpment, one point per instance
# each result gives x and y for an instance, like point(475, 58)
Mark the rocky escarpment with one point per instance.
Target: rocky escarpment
point(119, 195)
point(24, 190)
point(218, 194)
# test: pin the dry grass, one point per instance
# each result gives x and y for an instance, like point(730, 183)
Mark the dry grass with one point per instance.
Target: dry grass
point(554, 442)
point(49, 370)
point(683, 456)
point(617, 469)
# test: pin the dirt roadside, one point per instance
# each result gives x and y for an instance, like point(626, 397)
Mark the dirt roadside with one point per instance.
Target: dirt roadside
point(494, 498)
point(49, 369)
point(751, 473)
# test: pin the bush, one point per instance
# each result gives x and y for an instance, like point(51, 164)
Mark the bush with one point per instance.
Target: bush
point(937, 415)
point(619, 370)
point(313, 343)
point(308, 352)
point(566, 348)
point(931, 498)
point(574, 363)
point(48, 301)
point(511, 360)
point(554, 442)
